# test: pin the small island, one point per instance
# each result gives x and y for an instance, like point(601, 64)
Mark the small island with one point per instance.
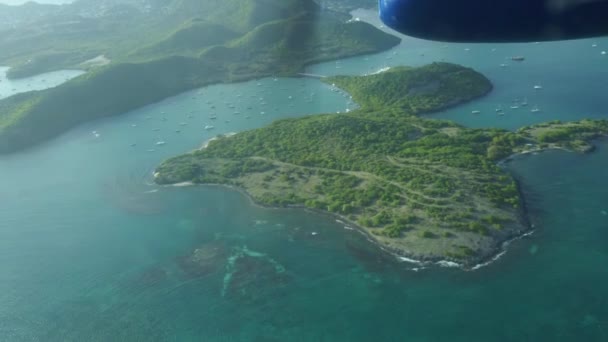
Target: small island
point(425, 189)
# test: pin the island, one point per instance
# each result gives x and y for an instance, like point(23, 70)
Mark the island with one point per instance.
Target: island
point(423, 189)
point(137, 52)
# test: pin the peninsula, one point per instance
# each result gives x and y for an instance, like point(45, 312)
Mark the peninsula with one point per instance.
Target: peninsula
point(425, 189)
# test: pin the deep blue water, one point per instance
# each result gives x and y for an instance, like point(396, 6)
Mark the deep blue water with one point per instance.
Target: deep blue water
point(91, 251)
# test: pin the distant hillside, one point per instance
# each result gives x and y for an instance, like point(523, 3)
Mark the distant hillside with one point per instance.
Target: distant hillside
point(188, 40)
point(118, 29)
point(189, 57)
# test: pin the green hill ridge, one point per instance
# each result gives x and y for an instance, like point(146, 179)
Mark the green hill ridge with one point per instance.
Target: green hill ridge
point(182, 60)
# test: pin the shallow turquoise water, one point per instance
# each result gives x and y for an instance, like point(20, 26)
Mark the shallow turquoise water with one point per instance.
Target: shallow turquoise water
point(90, 251)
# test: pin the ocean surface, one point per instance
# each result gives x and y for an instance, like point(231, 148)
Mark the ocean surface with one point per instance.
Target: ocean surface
point(90, 250)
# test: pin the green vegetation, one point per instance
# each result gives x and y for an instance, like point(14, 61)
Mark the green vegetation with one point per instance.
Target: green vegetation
point(415, 90)
point(575, 136)
point(400, 177)
point(425, 188)
point(254, 38)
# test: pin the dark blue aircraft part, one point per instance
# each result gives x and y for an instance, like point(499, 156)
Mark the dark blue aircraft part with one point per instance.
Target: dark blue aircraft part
point(496, 20)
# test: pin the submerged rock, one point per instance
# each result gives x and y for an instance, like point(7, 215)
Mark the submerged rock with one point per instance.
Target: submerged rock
point(204, 260)
point(252, 276)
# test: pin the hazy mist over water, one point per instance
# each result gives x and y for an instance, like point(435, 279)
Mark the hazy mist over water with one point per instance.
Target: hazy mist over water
point(21, 2)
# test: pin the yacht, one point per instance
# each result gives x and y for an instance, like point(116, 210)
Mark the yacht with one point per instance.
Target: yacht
point(209, 127)
point(160, 143)
point(538, 87)
point(475, 112)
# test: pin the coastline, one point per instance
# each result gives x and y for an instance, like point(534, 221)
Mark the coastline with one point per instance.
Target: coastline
point(399, 255)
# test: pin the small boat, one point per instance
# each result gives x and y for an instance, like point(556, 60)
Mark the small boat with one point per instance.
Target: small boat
point(538, 87)
point(133, 145)
point(475, 112)
point(514, 106)
point(593, 45)
point(156, 129)
point(518, 58)
point(160, 143)
point(183, 123)
point(212, 117)
point(177, 131)
point(535, 109)
point(503, 65)
point(524, 103)
point(209, 127)
point(603, 52)
point(151, 150)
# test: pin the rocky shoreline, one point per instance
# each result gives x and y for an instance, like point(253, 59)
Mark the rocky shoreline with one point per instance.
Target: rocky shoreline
point(470, 264)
